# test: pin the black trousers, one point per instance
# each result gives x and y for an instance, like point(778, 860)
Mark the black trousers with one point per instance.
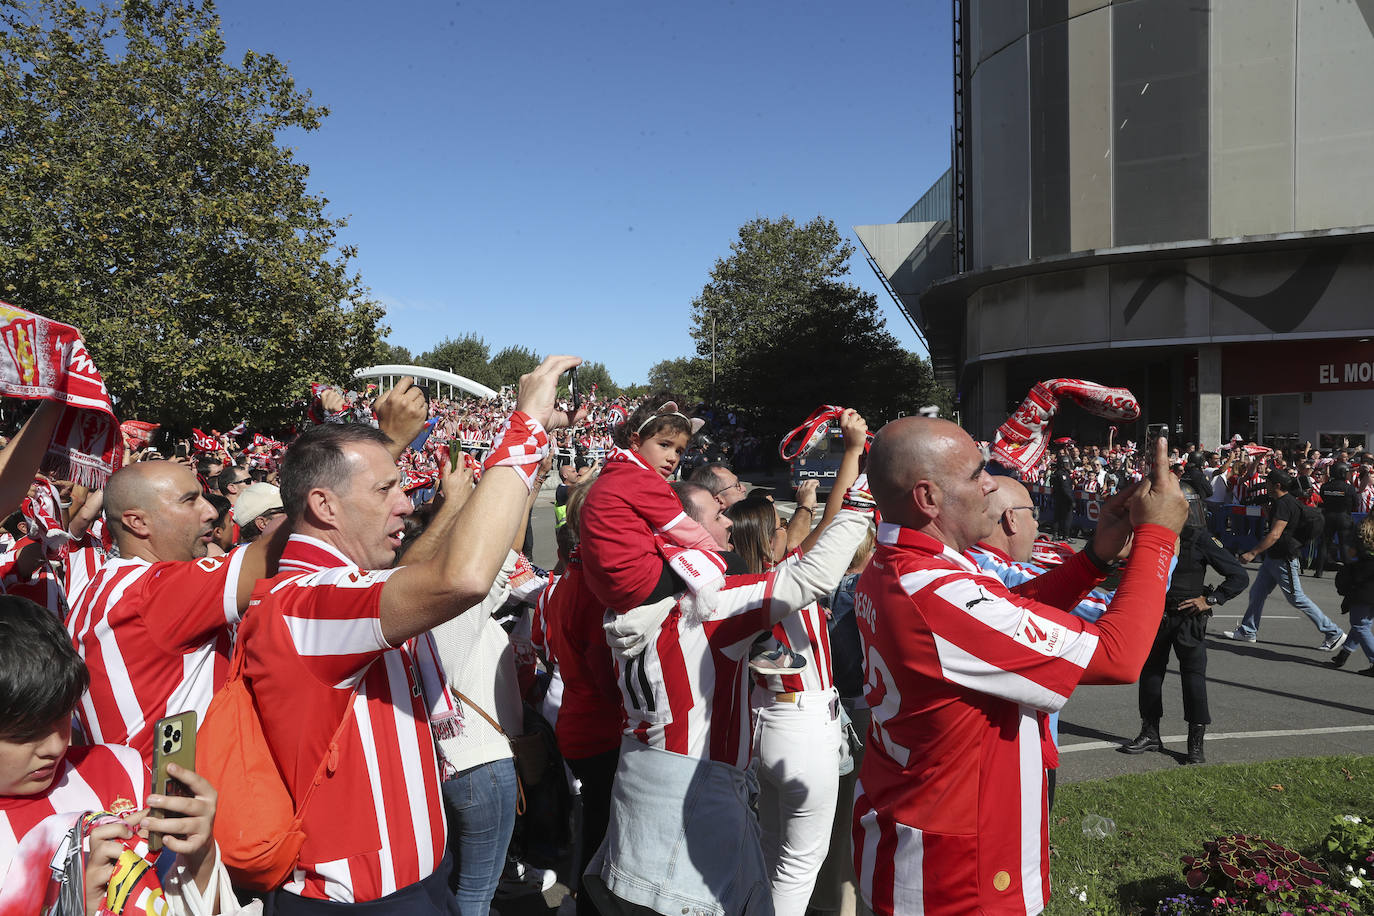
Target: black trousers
point(1187, 635)
point(1339, 527)
point(1063, 517)
point(597, 775)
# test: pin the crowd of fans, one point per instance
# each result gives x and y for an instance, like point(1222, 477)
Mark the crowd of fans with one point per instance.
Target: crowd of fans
point(385, 689)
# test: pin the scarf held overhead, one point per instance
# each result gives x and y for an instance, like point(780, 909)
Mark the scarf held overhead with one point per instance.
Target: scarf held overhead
point(1022, 439)
point(800, 441)
point(47, 360)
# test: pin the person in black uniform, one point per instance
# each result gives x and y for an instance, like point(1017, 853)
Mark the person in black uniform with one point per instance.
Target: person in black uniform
point(1187, 606)
point(1194, 476)
point(1339, 499)
point(1061, 491)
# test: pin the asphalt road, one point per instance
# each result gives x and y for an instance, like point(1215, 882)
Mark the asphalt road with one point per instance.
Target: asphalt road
point(1273, 698)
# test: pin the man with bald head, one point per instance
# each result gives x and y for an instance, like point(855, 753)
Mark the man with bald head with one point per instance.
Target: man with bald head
point(949, 813)
point(154, 624)
point(1006, 552)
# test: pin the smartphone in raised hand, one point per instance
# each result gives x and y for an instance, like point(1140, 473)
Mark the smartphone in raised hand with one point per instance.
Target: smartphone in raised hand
point(174, 741)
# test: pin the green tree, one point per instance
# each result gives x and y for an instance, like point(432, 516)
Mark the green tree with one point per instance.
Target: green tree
point(467, 356)
point(513, 362)
point(789, 334)
point(389, 353)
point(688, 376)
point(589, 374)
point(144, 198)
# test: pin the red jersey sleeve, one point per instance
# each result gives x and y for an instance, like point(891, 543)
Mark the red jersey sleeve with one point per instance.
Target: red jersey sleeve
point(992, 641)
point(187, 603)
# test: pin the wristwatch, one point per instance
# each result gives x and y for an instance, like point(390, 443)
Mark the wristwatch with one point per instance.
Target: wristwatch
point(1212, 601)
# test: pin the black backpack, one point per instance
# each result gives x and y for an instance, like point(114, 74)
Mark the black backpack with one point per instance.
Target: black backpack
point(1308, 524)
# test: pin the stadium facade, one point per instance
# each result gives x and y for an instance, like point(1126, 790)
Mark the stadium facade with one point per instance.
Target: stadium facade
point(1175, 196)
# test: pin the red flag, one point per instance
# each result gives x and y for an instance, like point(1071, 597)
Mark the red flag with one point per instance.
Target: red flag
point(204, 443)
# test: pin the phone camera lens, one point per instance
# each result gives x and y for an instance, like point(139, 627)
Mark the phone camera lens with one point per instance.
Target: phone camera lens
point(166, 731)
point(176, 736)
point(166, 747)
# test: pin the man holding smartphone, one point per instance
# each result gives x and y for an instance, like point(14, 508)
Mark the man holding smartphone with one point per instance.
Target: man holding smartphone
point(340, 637)
point(154, 625)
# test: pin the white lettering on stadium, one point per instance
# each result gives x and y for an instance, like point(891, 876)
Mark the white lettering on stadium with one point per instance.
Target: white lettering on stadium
point(1332, 374)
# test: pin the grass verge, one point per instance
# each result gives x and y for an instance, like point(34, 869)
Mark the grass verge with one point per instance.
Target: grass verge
point(1162, 816)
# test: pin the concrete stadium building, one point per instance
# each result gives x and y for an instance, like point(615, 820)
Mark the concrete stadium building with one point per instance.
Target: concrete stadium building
point(1175, 196)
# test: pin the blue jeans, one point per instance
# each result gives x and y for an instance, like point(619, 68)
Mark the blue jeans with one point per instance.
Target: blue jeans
point(1361, 616)
point(1284, 574)
point(481, 804)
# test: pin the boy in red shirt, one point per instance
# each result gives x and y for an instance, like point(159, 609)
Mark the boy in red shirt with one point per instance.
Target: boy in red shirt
point(46, 787)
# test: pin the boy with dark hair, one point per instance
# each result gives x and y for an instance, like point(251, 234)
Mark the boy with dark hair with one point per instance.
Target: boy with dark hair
point(46, 786)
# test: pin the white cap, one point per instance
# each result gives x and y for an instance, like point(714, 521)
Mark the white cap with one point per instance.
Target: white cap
point(256, 499)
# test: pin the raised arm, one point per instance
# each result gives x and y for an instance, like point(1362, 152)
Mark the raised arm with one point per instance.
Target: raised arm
point(818, 572)
point(401, 414)
point(855, 430)
point(20, 459)
point(1126, 631)
point(461, 570)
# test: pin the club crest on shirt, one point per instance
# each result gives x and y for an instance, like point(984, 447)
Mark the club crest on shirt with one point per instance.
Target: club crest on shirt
point(121, 806)
point(1038, 633)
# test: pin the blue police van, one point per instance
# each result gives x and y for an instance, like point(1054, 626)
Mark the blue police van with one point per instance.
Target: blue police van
point(822, 463)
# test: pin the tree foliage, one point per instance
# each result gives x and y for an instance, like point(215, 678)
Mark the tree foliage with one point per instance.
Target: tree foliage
point(513, 362)
point(390, 353)
point(467, 356)
point(687, 376)
point(593, 373)
point(144, 199)
point(789, 334)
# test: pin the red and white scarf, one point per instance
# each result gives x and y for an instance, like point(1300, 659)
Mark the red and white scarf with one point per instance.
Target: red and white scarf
point(43, 512)
point(522, 445)
point(138, 433)
point(800, 441)
point(47, 360)
point(1022, 439)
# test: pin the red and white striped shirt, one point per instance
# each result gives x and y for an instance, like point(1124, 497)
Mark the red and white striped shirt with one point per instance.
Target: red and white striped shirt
point(949, 811)
point(311, 635)
point(688, 691)
point(42, 586)
point(1367, 499)
point(156, 638)
point(33, 827)
point(81, 560)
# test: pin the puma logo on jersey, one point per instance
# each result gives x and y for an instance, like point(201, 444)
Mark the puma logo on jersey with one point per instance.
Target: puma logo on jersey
point(979, 600)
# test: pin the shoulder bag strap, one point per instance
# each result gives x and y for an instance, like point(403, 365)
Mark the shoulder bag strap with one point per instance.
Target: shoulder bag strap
point(519, 783)
point(481, 712)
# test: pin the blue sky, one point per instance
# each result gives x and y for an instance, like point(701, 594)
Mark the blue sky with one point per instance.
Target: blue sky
point(564, 175)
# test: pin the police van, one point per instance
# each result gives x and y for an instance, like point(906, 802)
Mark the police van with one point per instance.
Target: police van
point(821, 463)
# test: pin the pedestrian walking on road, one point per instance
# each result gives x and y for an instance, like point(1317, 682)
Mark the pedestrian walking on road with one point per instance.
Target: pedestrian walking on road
point(1280, 568)
point(1355, 583)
